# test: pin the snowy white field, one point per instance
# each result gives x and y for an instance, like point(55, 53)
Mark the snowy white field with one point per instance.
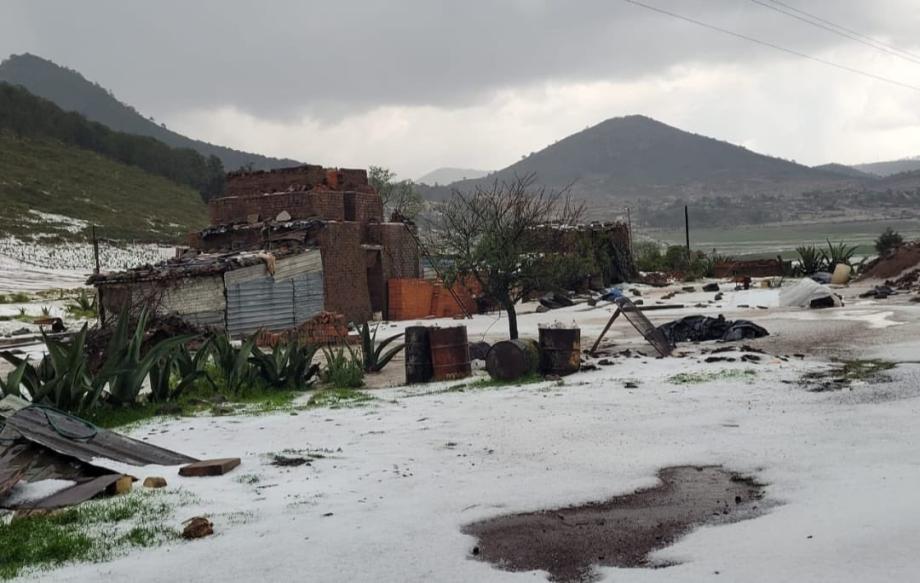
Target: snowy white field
point(28, 266)
point(404, 473)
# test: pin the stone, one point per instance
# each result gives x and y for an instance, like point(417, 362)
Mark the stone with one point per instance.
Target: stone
point(154, 482)
point(197, 527)
point(283, 217)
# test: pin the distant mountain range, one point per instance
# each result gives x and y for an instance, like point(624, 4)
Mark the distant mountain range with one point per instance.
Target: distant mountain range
point(654, 168)
point(891, 167)
point(73, 92)
point(448, 175)
point(637, 157)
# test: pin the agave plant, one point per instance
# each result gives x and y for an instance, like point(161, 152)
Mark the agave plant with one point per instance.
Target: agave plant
point(811, 259)
point(287, 366)
point(61, 379)
point(126, 365)
point(177, 371)
point(233, 362)
point(838, 253)
point(375, 356)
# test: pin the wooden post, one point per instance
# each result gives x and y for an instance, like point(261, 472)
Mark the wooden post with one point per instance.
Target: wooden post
point(687, 230)
point(604, 331)
point(632, 257)
point(100, 309)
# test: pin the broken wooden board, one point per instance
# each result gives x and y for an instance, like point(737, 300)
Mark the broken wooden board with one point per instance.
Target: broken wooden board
point(77, 493)
point(217, 467)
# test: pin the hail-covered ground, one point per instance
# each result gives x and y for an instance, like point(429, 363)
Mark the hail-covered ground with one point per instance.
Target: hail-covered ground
point(392, 481)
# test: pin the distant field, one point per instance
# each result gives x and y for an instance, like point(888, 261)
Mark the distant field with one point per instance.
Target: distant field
point(783, 239)
point(57, 191)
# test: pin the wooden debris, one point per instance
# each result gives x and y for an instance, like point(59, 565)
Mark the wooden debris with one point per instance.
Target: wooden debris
point(217, 467)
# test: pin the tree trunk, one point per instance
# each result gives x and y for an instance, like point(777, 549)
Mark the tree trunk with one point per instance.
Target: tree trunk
point(512, 320)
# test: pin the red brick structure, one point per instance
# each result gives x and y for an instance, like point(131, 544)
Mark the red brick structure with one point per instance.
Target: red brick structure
point(360, 252)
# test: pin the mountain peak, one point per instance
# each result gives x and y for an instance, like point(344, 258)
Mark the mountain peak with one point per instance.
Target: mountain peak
point(71, 91)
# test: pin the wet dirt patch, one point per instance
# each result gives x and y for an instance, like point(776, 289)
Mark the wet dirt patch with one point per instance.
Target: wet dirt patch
point(845, 374)
point(620, 532)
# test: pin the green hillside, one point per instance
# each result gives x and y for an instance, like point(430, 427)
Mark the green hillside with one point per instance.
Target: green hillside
point(124, 202)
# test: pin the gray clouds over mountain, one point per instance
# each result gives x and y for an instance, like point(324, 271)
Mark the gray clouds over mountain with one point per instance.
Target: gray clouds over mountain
point(408, 78)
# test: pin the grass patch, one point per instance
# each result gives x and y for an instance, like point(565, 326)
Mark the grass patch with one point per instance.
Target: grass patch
point(844, 373)
point(694, 378)
point(339, 398)
point(15, 298)
point(124, 201)
point(93, 531)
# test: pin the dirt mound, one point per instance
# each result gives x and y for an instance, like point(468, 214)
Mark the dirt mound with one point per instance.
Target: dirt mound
point(621, 532)
point(894, 263)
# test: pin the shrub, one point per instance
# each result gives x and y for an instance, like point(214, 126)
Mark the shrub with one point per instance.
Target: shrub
point(888, 240)
point(344, 369)
point(838, 253)
point(811, 259)
point(648, 256)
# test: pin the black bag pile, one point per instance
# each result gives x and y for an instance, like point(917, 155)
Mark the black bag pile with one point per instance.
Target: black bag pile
point(701, 328)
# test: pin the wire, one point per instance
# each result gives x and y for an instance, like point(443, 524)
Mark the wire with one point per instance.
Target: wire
point(845, 29)
point(840, 31)
point(775, 46)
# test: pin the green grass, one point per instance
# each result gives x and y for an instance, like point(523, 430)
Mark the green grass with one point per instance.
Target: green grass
point(339, 398)
point(94, 531)
point(693, 378)
point(769, 240)
point(15, 298)
point(124, 202)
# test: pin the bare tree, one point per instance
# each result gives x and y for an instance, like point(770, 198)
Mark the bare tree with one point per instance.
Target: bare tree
point(399, 196)
point(491, 234)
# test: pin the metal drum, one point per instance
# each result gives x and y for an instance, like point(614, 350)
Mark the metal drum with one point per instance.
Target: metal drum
point(560, 350)
point(418, 355)
point(450, 353)
point(512, 359)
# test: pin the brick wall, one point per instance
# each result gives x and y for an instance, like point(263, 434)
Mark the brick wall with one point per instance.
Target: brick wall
point(325, 204)
point(297, 178)
point(345, 271)
point(400, 252)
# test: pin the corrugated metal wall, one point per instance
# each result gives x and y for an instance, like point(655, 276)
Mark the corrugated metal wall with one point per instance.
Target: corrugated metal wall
point(258, 300)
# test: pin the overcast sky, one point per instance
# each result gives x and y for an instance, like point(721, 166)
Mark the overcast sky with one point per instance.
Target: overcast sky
point(415, 85)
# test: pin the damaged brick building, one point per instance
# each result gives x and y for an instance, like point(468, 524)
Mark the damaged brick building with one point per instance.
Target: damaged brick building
point(282, 246)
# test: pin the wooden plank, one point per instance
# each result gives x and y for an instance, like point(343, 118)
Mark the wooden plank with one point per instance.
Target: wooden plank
point(604, 332)
point(217, 467)
point(76, 494)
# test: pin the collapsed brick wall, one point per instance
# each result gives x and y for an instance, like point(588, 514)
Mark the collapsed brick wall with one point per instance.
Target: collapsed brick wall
point(297, 178)
point(345, 271)
point(324, 204)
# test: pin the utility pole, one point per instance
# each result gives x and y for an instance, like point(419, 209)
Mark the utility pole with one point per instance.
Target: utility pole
point(100, 309)
point(687, 230)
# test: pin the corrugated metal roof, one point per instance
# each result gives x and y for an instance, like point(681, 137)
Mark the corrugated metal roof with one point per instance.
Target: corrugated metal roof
point(71, 437)
point(309, 296)
point(260, 304)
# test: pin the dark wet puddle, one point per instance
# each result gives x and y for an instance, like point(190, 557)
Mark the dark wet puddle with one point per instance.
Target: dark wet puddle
point(620, 532)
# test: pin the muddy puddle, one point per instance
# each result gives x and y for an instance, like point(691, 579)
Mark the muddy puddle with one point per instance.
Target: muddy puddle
point(621, 532)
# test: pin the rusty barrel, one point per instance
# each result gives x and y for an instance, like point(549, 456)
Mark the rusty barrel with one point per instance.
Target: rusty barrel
point(450, 353)
point(560, 350)
point(418, 355)
point(512, 359)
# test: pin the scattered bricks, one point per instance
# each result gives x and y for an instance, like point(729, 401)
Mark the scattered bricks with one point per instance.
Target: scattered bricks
point(154, 482)
point(197, 527)
point(753, 268)
point(216, 467)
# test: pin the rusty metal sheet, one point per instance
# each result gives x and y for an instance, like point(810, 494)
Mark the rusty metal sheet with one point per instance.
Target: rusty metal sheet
point(71, 437)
